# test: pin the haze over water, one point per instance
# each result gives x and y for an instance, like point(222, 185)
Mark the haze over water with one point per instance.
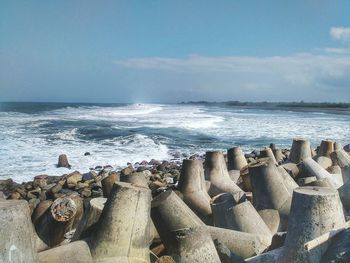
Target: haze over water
point(33, 135)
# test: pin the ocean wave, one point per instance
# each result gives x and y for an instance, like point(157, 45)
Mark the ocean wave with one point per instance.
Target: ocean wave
point(115, 135)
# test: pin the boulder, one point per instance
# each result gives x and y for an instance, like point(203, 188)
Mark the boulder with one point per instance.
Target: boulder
point(63, 161)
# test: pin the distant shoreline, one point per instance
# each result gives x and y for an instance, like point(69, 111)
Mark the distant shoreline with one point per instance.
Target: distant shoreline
point(326, 107)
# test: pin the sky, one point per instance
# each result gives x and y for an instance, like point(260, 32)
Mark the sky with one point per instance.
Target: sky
point(177, 50)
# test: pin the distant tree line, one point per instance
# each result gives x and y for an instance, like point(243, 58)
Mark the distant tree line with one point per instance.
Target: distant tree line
point(295, 104)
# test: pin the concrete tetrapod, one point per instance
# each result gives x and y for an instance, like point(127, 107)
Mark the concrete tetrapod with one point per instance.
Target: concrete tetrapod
point(108, 182)
point(324, 161)
point(137, 179)
point(225, 255)
point(90, 218)
point(242, 244)
point(344, 194)
point(288, 181)
point(77, 252)
point(267, 153)
point(236, 159)
point(215, 171)
point(269, 190)
point(170, 213)
point(278, 155)
point(56, 221)
point(314, 211)
point(192, 186)
point(312, 168)
point(17, 239)
point(193, 245)
point(243, 217)
point(326, 148)
point(342, 158)
point(271, 218)
point(122, 232)
point(220, 205)
point(300, 150)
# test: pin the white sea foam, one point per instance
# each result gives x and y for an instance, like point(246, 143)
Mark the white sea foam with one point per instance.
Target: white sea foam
point(31, 143)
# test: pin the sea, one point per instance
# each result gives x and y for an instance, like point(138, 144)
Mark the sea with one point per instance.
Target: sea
point(33, 135)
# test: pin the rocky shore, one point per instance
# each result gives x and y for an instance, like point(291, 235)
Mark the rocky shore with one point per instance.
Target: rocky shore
point(270, 205)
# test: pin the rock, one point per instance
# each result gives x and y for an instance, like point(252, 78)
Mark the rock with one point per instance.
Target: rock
point(347, 148)
point(53, 179)
point(14, 196)
point(141, 168)
point(55, 189)
point(34, 193)
point(126, 171)
point(28, 186)
point(96, 193)
point(63, 161)
point(88, 176)
point(85, 193)
point(40, 181)
point(161, 168)
point(73, 179)
point(108, 182)
point(7, 186)
point(108, 167)
point(144, 162)
point(81, 185)
point(33, 203)
point(21, 191)
point(154, 162)
point(155, 185)
point(165, 259)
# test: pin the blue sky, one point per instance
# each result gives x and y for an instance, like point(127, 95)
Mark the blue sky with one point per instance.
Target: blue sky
point(170, 51)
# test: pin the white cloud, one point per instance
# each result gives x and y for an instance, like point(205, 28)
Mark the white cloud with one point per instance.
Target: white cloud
point(297, 73)
point(340, 33)
point(300, 66)
point(320, 75)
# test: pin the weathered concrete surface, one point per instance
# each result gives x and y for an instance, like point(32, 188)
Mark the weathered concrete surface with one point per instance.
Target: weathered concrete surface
point(242, 244)
point(170, 213)
point(326, 148)
point(314, 211)
point(122, 233)
point(192, 186)
point(271, 218)
point(267, 153)
point(300, 150)
point(220, 205)
point(216, 172)
point(288, 181)
point(77, 252)
point(243, 217)
point(225, 255)
point(90, 218)
point(236, 159)
point(339, 249)
point(269, 190)
point(193, 245)
point(311, 168)
point(17, 239)
point(57, 221)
